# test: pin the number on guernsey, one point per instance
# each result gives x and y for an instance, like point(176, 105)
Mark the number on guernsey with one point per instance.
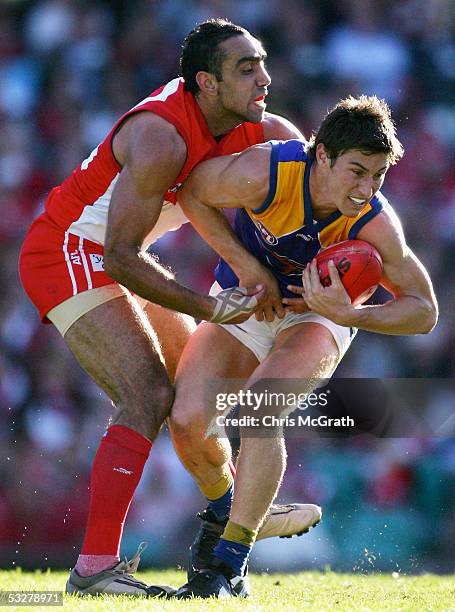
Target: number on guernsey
point(86, 162)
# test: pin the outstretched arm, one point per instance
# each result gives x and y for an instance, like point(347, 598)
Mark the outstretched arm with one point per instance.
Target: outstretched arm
point(413, 310)
point(232, 181)
point(151, 154)
point(203, 197)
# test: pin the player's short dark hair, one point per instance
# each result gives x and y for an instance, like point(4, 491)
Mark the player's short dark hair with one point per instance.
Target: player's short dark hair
point(200, 50)
point(363, 123)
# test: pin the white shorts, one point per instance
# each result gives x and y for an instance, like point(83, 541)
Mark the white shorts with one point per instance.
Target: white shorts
point(259, 336)
point(72, 309)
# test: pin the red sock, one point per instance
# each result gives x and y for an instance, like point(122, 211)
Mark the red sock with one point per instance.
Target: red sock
point(232, 468)
point(116, 472)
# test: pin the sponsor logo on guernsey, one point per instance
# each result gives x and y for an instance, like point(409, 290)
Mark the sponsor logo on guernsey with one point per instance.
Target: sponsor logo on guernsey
point(266, 233)
point(306, 237)
point(287, 266)
point(97, 262)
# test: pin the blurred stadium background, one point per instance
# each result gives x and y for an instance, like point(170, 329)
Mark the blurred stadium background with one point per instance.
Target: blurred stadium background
point(68, 69)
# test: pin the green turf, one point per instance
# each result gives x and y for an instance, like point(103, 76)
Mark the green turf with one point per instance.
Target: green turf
point(305, 591)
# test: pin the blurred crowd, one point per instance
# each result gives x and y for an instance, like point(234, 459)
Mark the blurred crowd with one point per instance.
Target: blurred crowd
point(68, 70)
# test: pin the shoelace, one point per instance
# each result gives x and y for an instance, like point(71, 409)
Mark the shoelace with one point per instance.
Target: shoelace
point(130, 567)
point(209, 539)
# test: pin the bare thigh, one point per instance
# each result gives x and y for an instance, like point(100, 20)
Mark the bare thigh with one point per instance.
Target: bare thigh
point(117, 347)
point(304, 352)
point(173, 330)
point(211, 353)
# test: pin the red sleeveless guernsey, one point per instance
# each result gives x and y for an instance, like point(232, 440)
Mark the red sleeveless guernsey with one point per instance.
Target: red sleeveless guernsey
point(62, 254)
point(81, 203)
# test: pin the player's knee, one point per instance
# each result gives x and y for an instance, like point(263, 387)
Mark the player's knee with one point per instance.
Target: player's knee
point(147, 407)
point(180, 422)
point(185, 425)
point(160, 405)
point(161, 401)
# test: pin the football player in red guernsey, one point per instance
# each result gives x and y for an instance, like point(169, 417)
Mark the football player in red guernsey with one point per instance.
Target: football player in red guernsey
point(84, 265)
point(291, 199)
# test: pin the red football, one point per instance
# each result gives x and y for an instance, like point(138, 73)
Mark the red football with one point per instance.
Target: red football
point(359, 265)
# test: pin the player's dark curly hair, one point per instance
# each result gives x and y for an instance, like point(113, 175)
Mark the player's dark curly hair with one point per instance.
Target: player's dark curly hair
point(363, 123)
point(200, 50)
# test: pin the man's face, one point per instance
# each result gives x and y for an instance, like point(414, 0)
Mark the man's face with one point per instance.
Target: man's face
point(353, 180)
point(243, 89)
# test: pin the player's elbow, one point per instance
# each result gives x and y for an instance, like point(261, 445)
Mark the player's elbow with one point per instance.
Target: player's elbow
point(430, 314)
point(185, 198)
point(190, 196)
point(115, 262)
point(112, 265)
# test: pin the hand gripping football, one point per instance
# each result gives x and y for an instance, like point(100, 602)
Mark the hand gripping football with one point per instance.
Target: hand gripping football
point(359, 265)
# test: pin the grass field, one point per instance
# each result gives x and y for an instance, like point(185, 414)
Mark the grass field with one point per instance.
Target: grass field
point(276, 592)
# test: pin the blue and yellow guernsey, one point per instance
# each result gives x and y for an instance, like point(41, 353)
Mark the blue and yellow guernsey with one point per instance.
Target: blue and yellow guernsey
point(282, 232)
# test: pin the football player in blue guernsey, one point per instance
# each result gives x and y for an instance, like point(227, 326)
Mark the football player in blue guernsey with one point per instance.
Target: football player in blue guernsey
point(292, 198)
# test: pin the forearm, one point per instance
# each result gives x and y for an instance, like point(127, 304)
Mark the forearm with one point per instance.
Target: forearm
point(213, 226)
point(407, 315)
point(142, 274)
point(215, 229)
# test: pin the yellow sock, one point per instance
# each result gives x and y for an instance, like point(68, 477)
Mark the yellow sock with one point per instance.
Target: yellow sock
point(242, 535)
point(222, 486)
